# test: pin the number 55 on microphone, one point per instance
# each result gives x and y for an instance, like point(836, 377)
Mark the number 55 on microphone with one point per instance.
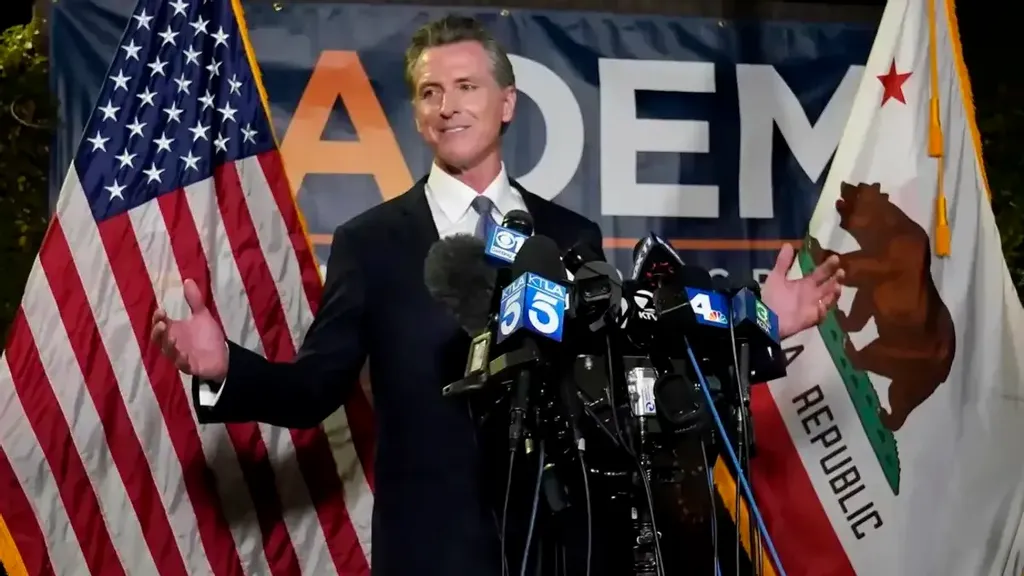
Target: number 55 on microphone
point(533, 303)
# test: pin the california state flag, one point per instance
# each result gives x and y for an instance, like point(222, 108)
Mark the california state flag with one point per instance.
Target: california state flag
point(896, 445)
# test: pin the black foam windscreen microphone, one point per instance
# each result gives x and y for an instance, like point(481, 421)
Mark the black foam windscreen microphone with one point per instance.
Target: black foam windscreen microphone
point(458, 276)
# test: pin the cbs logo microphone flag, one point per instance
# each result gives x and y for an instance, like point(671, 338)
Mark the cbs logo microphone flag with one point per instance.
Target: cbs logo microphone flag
point(504, 243)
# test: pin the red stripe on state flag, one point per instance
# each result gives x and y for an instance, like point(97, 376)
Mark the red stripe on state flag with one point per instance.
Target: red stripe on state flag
point(22, 522)
point(313, 451)
point(133, 281)
point(804, 538)
point(246, 439)
point(358, 410)
point(94, 362)
point(54, 436)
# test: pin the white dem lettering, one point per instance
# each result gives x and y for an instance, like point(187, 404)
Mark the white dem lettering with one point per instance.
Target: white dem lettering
point(767, 101)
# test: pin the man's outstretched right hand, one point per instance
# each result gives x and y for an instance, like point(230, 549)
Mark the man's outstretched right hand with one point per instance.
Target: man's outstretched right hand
point(196, 344)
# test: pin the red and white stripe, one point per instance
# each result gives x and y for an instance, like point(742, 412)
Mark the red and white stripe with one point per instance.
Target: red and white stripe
point(104, 466)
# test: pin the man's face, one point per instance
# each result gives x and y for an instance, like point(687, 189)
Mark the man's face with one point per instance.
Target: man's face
point(459, 106)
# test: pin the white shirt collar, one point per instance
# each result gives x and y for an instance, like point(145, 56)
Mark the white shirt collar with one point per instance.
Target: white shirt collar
point(454, 198)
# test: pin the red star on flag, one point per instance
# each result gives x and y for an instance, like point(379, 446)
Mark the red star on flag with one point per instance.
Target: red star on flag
point(892, 84)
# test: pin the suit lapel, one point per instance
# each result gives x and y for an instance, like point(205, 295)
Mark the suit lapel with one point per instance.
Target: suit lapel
point(418, 221)
point(420, 232)
point(539, 209)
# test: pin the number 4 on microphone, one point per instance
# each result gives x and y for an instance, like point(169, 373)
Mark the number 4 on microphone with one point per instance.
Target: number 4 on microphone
point(532, 303)
point(710, 308)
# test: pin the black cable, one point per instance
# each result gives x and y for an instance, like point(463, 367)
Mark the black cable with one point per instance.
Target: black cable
point(755, 537)
point(590, 519)
point(739, 436)
point(654, 523)
point(714, 512)
point(533, 513)
point(600, 424)
point(739, 507)
point(504, 513)
point(611, 394)
point(632, 453)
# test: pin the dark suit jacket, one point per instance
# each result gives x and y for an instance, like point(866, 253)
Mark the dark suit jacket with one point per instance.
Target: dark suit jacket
point(429, 514)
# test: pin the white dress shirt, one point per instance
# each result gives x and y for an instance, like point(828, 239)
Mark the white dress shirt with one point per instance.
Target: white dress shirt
point(450, 203)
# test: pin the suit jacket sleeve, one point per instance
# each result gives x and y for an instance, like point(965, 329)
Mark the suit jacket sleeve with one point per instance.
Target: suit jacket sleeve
point(303, 392)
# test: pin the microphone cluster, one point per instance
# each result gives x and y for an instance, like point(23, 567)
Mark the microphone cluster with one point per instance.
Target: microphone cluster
point(532, 311)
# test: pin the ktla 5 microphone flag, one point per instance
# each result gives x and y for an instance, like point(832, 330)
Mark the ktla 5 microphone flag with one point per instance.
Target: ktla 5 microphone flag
point(893, 447)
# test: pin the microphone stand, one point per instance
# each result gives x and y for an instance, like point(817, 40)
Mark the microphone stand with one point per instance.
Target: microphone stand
point(518, 406)
point(744, 432)
point(645, 556)
point(741, 478)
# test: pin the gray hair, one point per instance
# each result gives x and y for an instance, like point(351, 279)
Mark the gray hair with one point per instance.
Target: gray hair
point(453, 29)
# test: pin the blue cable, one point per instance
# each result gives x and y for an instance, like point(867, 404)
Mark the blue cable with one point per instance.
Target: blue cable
point(736, 463)
point(714, 521)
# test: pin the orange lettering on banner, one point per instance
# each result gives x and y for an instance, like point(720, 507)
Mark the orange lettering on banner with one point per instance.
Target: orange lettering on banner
point(341, 74)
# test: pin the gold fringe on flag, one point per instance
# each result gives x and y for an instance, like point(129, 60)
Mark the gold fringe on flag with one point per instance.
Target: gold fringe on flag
point(726, 486)
point(935, 144)
point(257, 75)
point(10, 559)
point(966, 93)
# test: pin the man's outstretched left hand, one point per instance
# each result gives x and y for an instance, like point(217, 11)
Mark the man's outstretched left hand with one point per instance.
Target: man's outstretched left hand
point(801, 304)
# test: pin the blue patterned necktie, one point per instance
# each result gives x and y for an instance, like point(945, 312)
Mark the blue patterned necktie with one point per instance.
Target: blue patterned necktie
point(483, 206)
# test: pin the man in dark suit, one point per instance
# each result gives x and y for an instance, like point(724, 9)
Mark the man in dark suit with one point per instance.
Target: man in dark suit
point(429, 517)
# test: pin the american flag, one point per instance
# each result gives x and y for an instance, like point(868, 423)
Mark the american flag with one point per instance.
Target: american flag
point(103, 467)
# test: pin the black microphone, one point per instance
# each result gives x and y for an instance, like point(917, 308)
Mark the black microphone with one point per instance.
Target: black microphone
point(702, 307)
point(654, 260)
point(534, 302)
point(724, 285)
point(520, 221)
point(505, 240)
point(580, 254)
point(683, 298)
point(458, 275)
point(526, 312)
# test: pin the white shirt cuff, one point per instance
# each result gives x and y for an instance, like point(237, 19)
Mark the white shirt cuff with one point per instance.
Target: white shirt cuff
point(207, 397)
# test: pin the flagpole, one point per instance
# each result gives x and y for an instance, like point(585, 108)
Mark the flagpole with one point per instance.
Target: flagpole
point(257, 75)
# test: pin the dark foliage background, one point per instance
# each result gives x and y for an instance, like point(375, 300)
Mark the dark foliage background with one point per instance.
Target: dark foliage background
point(27, 113)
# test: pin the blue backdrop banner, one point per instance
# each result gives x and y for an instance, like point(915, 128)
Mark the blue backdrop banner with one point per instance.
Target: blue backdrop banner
point(715, 134)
